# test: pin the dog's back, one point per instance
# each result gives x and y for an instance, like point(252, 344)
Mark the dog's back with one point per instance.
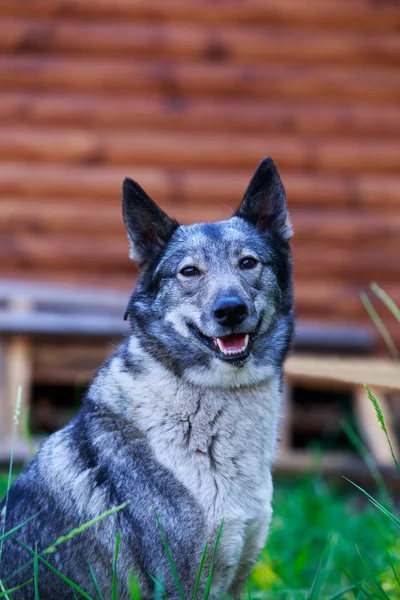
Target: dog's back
point(181, 422)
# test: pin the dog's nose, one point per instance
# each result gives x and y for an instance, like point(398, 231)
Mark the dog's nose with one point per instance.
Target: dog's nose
point(230, 311)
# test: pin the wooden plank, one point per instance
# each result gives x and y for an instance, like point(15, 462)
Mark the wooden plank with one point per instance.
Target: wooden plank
point(351, 227)
point(79, 217)
point(357, 263)
point(78, 298)
point(157, 112)
point(113, 279)
point(381, 373)
point(177, 150)
point(341, 297)
point(205, 186)
point(18, 373)
point(372, 433)
point(313, 260)
point(272, 81)
point(317, 337)
point(62, 252)
point(52, 323)
point(323, 14)
point(197, 42)
point(301, 461)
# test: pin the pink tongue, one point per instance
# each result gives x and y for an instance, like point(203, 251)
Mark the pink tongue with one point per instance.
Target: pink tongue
point(233, 342)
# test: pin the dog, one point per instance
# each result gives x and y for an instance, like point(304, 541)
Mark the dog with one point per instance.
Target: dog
point(181, 423)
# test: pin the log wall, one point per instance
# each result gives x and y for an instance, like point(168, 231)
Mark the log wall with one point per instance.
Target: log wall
point(187, 98)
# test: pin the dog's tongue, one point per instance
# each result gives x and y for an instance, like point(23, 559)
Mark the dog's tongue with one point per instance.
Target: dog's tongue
point(232, 344)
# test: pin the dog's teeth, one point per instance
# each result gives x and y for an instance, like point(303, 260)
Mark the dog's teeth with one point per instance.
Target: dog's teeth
point(232, 352)
point(220, 346)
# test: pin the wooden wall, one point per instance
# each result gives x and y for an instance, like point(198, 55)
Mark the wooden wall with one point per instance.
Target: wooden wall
point(187, 97)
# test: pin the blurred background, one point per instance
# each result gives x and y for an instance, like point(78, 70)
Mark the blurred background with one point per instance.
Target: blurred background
point(187, 98)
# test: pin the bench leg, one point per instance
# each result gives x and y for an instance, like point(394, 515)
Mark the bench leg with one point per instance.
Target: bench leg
point(17, 372)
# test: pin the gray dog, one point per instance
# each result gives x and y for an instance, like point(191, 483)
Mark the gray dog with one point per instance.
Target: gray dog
point(182, 421)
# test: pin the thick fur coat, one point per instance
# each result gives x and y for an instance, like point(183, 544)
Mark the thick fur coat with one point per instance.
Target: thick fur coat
point(181, 421)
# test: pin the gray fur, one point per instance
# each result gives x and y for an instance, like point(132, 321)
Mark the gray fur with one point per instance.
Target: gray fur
point(168, 423)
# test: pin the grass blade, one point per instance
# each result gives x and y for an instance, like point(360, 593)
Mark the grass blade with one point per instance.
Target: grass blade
point(84, 526)
point(354, 586)
point(382, 595)
point(17, 527)
point(95, 583)
point(382, 295)
point(209, 578)
point(115, 575)
point(71, 583)
point(63, 538)
point(17, 412)
point(171, 562)
point(393, 569)
point(320, 576)
point(368, 459)
point(377, 504)
point(379, 324)
point(381, 420)
point(134, 587)
point(4, 593)
point(357, 584)
point(36, 577)
point(199, 572)
point(159, 588)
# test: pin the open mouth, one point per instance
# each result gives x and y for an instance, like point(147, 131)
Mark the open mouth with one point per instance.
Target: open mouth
point(233, 348)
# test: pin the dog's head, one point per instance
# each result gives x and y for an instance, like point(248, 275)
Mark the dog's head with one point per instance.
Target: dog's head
point(213, 301)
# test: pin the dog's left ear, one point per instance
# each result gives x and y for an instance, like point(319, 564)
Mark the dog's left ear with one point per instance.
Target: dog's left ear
point(264, 203)
point(149, 228)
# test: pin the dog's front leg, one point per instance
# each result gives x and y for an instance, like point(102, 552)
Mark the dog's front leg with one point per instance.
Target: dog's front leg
point(256, 535)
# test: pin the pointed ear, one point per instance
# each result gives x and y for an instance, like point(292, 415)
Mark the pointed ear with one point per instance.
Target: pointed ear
point(149, 228)
point(264, 203)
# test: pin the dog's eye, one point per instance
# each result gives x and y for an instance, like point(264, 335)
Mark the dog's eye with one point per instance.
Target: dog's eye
point(248, 262)
point(189, 271)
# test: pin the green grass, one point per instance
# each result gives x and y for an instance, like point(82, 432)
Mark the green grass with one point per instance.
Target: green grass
point(299, 562)
point(308, 513)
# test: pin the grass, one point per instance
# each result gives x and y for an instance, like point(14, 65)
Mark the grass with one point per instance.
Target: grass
point(308, 515)
point(324, 539)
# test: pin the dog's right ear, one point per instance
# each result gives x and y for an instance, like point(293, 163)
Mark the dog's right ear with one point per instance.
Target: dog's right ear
point(149, 228)
point(264, 203)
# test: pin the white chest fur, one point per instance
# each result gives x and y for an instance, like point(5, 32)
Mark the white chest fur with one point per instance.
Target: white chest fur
point(220, 444)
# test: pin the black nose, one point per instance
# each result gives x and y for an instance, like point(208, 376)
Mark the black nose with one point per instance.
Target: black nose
point(230, 311)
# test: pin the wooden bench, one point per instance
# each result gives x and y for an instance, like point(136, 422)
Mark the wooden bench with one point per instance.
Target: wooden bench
point(350, 374)
point(31, 316)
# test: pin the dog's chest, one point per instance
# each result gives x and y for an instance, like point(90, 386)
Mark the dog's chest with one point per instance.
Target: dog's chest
point(219, 444)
